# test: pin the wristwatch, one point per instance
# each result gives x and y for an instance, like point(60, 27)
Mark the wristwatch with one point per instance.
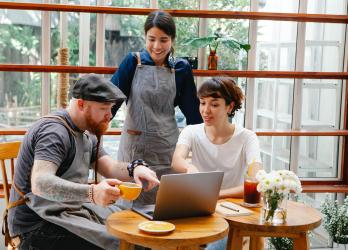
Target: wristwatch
point(131, 166)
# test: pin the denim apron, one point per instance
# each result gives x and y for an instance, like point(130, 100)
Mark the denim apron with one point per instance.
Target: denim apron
point(150, 131)
point(86, 220)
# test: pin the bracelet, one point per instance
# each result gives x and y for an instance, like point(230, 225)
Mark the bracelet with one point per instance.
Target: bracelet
point(90, 193)
point(131, 166)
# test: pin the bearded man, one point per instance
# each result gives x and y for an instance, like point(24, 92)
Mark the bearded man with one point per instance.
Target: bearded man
point(52, 204)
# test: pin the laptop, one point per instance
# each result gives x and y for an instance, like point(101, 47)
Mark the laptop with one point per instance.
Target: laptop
point(184, 195)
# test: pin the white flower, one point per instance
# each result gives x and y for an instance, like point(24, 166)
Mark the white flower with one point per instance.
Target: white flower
point(281, 181)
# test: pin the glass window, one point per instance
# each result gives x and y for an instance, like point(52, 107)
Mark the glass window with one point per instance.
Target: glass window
point(273, 101)
point(318, 157)
point(226, 5)
point(111, 144)
point(230, 59)
point(321, 104)
point(180, 5)
point(123, 34)
point(20, 36)
point(324, 46)
point(130, 3)
point(276, 45)
point(275, 152)
point(185, 28)
point(338, 7)
point(287, 6)
point(20, 99)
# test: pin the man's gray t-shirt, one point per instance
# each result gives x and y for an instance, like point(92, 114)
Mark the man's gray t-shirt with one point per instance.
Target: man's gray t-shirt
point(49, 140)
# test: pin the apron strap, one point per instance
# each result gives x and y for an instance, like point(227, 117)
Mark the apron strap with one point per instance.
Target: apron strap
point(62, 120)
point(138, 58)
point(74, 134)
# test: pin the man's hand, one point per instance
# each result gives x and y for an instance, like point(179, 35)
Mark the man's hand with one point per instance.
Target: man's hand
point(144, 173)
point(106, 192)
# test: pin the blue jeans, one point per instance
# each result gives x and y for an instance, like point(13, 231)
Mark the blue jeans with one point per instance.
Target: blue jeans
point(52, 237)
point(217, 245)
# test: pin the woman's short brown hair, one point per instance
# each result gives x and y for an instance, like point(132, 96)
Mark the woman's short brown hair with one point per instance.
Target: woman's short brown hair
point(223, 87)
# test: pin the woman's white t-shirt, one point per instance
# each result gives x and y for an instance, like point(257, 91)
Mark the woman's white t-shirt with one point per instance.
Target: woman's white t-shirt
point(232, 157)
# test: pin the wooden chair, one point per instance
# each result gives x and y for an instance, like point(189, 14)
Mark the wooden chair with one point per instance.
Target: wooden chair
point(8, 151)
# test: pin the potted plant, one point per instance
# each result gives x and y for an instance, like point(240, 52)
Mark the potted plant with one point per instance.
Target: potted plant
point(282, 243)
point(213, 43)
point(336, 220)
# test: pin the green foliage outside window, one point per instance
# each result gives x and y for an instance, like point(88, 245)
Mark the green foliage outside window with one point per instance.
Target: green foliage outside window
point(336, 220)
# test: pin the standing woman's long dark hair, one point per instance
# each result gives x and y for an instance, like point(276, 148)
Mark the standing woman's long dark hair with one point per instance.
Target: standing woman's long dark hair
point(164, 21)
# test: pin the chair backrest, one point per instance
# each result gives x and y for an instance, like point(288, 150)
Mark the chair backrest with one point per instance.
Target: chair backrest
point(8, 151)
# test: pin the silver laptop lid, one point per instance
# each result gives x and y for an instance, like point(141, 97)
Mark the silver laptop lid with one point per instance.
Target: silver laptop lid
point(187, 195)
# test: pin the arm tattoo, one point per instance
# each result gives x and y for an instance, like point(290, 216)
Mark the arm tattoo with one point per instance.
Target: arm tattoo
point(46, 184)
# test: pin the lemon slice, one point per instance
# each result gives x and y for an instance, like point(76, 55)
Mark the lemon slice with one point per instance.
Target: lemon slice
point(156, 227)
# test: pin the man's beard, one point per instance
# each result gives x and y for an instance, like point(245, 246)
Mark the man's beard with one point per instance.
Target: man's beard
point(97, 128)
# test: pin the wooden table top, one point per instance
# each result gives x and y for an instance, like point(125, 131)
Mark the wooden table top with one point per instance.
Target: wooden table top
point(300, 218)
point(188, 231)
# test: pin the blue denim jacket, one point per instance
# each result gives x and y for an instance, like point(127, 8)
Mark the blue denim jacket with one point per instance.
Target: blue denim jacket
point(186, 93)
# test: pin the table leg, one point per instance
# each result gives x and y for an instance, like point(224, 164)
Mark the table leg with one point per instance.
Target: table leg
point(234, 241)
point(256, 243)
point(301, 243)
point(124, 245)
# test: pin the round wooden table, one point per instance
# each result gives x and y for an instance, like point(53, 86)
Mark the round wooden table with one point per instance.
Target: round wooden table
point(300, 219)
point(189, 233)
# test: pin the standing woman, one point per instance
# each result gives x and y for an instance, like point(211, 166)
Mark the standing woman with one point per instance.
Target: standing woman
point(154, 83)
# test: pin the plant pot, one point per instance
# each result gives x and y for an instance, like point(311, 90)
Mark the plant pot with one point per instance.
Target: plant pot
point(212, 60)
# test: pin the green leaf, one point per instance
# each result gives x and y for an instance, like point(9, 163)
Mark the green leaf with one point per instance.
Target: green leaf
point(233, 44)
point(199, 42)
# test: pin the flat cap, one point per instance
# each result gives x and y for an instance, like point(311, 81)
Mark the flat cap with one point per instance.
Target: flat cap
point(93, 87)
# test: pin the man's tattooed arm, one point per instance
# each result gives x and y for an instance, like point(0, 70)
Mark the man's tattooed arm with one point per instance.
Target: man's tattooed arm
point(46, 184)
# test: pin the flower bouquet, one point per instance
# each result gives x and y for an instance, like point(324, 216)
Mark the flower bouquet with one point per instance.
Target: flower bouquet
point(275, 187)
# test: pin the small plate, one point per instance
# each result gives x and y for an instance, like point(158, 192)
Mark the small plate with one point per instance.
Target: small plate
point(250, 205)
point(156, 227)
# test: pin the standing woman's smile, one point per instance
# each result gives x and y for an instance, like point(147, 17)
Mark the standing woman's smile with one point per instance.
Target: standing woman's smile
point(158, 44)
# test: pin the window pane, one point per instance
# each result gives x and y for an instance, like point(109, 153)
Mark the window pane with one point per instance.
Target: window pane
point(20, 36)
point(185, 28)
point(275, 152)
point(230, 59)
point(181, 5)
point(287, 6)
point(273, 110)
point(321, 104)
point(318, 157)
point(324, 47)
point(273, 100)
point(123, 34)
point(338, 7)
point(242, 5)
point(276, 45)
point(130, 3)
point(111, 144)
point(20, 98)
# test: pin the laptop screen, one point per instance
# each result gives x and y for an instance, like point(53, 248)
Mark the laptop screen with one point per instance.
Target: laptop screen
point(185, 195)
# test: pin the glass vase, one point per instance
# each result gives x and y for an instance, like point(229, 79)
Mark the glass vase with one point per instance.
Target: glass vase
point(274, 209)
point(212, 60)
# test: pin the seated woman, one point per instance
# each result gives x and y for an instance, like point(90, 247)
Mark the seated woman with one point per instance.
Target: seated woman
point(218, 144)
